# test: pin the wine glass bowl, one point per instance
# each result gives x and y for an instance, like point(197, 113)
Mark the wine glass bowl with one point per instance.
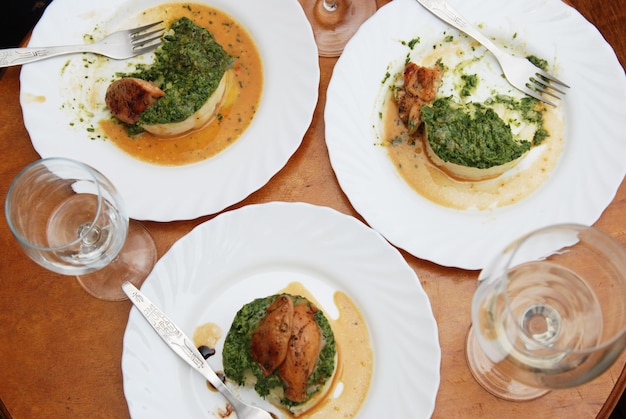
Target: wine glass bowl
point(334, 22)
point(63, 215)
point(70, 219)
point(549, 312)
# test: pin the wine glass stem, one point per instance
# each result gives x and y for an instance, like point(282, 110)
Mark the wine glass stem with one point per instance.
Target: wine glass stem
point(330, 5)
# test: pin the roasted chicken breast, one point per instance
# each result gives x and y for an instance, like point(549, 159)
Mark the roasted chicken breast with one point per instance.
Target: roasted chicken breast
point(128, 97)
point(304, 348)
point(270, 341)
point(420, 88)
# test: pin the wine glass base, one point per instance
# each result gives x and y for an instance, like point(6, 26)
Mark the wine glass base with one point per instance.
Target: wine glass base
point(333, 29)
point(134, 262)
point(494, 381)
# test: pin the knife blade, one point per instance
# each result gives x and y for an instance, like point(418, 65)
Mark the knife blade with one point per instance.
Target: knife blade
point(171, 334)
point(184, 347)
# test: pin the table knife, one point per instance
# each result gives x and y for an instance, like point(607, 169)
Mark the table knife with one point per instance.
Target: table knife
point(186, 349)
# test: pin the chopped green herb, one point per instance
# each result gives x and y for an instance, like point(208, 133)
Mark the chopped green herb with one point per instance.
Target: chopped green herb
point(188, 67)
point(238, 360)
point(470, 81)
point(538, 62)
point(527, 106)
point(472, 135)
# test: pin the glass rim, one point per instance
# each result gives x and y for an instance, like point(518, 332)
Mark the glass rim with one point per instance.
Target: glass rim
point(42, 162)
point(516, 244)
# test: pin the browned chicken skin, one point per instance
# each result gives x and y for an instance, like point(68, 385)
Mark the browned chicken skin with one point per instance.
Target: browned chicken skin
point(128, 97)
point(289, 339)
point(420, 88)
point(270, 341)
point(304, 348)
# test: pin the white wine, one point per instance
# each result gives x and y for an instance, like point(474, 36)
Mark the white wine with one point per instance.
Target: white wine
point(549, 312)
point(535, 328)
point(70, 219)
point(87, 235)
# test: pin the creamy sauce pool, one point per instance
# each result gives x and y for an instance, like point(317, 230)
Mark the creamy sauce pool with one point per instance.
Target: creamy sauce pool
point(355, 361)
point(431, 182)
point(427, 179)
point(237, 110)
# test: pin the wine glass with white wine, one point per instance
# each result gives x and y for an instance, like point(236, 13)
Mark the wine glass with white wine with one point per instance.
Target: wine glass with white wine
point(334, 22)
point(70, 219)
point(549, 312)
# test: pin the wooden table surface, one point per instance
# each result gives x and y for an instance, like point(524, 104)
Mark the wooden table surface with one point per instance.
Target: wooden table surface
point(60, 349)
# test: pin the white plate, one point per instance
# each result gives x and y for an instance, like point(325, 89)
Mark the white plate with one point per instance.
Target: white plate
point(256, 251)
point(290, 90)
point(591, 167)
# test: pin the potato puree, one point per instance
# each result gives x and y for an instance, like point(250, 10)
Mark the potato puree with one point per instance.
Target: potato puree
point(236, 112)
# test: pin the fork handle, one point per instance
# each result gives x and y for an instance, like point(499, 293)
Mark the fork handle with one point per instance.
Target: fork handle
point(17, 56)
point(445, 12)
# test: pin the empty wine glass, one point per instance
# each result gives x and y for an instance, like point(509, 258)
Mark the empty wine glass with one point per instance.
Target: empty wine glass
point(334, 22)
point(70, 219)
point(549, 312)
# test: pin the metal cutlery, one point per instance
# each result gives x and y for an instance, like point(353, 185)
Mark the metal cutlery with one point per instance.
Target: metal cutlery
point(119, 45)
point(185, 348)
point(519, 72)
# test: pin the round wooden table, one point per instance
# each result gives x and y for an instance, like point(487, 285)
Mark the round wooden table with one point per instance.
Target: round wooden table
point(61, 349)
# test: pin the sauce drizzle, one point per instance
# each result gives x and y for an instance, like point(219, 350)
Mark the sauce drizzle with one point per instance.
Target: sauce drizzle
point(236, 112)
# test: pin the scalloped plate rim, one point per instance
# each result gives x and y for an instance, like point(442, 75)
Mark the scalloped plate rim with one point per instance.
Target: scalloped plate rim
point(328, 263)
point(161, 193)
point(467, 239)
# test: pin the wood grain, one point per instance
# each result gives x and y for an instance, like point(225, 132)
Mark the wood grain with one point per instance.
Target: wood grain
point(60, 349)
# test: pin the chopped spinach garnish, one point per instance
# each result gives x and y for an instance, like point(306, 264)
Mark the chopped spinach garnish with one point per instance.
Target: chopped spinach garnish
point(188, 67)
point(472, 136)
point(237, 358)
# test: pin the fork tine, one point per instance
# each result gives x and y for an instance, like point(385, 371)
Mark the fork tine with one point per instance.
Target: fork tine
point(536, 95)
point(542, 89)
point(143, 28)
point(142, 49)
point(147, 45)
point(551, 86)
point(546, 87)
point(550, 77)
point(137, 38)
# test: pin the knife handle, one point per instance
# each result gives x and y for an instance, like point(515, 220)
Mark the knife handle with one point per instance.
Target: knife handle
point(171, 334)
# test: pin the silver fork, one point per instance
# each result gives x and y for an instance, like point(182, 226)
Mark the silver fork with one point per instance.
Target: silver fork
point(119, 45)
point(521, 73)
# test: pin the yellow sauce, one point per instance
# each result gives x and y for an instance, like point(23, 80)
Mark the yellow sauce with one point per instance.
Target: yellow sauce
point(427, 179)
point(207, 335)
point(30, 98)
point(434, 184)
point(353, 374)
point(355, 361)
point(237, 110)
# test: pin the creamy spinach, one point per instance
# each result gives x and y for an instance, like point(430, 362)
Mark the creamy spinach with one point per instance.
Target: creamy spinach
point(188, 67)
point(237, 358)
point(538, 62)
point(527, 108)
point(470, 81)
point(471, 135)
